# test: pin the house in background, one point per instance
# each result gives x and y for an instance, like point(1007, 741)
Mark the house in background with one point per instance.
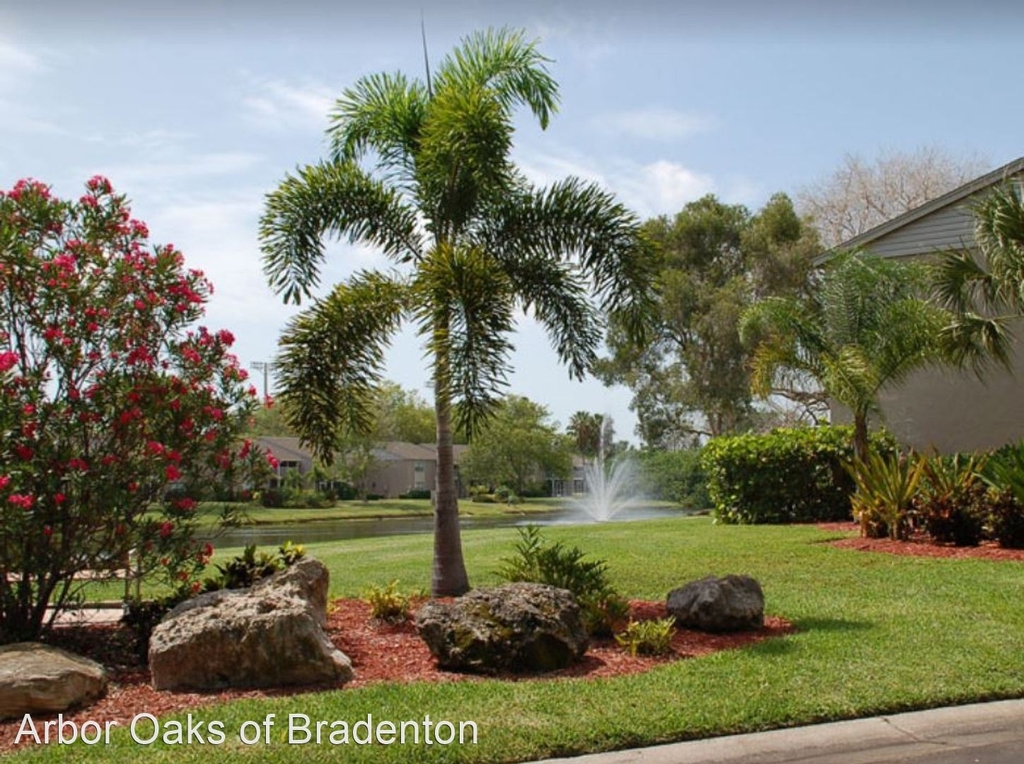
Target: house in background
point(291, 457)
point(398, 468)
point(943, 408)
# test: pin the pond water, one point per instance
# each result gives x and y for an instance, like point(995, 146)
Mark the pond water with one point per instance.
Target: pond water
point(341, 530)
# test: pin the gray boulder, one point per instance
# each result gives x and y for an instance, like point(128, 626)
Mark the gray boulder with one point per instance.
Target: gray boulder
point(514, 627)
point(269, 635)
point(732, 603)
point(37, 678)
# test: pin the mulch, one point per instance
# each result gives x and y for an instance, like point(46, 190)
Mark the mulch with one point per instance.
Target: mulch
point(920, 545)
point(379, 652)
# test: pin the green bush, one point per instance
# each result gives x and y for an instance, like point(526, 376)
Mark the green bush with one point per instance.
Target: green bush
point(387, 603)
point(785, 476)
point(1006, 518)
point(648, 637)
point(538, 562)
point(246, 569)
point(887, 493)
point(675, 476)
point(953, 500)
point(416, 493)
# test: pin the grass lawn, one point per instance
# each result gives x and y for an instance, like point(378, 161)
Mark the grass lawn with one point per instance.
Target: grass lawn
point(208, 512)
point(877, 633)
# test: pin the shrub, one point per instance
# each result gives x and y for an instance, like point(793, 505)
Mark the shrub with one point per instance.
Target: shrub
point(786, 476)
point(676, 476)
point(387, 603)
point(884, 500)
point(538, 562)
point(1006, 518)
point(418, 493)
point(648, 637)
point(119, 412)
point(246, 569)
point(953, 501)
point(142, 616)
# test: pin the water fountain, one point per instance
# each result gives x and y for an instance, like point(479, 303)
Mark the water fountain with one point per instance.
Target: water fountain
point(610, 483)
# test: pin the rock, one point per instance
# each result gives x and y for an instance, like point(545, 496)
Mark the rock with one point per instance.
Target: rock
point(515, 627)
point(732, 603)
point(269, 635)
point(37, 678)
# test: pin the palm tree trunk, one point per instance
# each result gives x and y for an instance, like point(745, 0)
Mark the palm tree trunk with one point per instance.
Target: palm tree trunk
point(860, 435)
point(449, 577)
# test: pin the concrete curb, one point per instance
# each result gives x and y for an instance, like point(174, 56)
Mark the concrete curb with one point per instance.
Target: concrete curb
point(930, 735)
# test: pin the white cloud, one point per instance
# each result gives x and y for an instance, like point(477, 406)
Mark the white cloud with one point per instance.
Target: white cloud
point(656, 188)
point(274, 104)
point(653, 124)
point(177, 166)
point(17, 62)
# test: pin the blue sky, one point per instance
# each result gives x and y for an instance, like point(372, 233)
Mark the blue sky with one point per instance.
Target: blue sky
point(197, 109)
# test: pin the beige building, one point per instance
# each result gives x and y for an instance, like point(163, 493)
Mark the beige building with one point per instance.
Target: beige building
point(942, 408)
point(398, 468)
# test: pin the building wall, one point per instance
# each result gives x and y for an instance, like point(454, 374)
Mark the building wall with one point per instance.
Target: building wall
point(949, 411)
point(939, 407)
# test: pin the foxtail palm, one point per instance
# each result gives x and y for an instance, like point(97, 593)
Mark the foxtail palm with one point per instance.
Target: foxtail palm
point(986, 293)
point(864, 327)
point(421, 172)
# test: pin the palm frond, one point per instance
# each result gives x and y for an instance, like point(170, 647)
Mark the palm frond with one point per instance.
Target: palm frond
point(961, 282)
point(504, 62)
point(381, 112)
point(336, 199)
point(975, 342)
point(331, 359)
point(463, 304)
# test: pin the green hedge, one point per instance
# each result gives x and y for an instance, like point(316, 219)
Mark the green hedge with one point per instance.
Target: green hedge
point(785, 476)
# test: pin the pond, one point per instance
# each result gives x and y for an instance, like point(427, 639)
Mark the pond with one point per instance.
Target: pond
point(341, 530)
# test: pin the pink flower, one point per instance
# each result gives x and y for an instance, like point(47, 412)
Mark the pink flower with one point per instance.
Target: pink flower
point(272, 460)
point(79, 465)
point(166, 529)
point(5, 480)
point(23, 452)
point(172, 473)
point(59, 498)
point(47, 531)
point(226, 337)
point(98, 183)
point(187, 505)
point(7, 360)
point(23, 500)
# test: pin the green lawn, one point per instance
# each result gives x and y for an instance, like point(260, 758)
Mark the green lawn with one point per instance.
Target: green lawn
point(877, 633)
point(208, 512)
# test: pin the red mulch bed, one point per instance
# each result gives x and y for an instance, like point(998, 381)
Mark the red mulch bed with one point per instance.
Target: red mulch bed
point(920, 545)
point(379, 653)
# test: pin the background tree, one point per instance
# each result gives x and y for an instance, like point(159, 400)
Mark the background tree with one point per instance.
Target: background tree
point(517, 448)
point(986, 293)
point(864, 326)
point(692, 379)
point(117, 413)
point(421, 171)
point(860, 195)
point(585, 429)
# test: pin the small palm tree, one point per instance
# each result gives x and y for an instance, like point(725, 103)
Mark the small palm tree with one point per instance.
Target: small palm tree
point(985, 294)
point(421, 172)
point(864, 327)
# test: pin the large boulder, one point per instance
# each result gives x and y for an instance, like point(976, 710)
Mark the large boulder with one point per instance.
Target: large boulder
point(37, 678)
point(269, 635)
point(514, 627)
point(732, 603)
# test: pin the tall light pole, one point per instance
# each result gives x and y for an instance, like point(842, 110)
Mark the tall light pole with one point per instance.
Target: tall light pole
point(266, 367)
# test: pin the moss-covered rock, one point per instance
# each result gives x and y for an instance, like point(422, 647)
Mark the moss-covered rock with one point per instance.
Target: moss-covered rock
point(519, 627)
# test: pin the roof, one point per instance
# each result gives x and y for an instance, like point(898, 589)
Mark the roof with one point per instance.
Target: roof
point(285, 449)
point(995, 177)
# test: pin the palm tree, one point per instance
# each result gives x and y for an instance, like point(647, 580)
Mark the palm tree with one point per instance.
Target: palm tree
point(985, 294)
point(864, 327)
point(421, 172)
